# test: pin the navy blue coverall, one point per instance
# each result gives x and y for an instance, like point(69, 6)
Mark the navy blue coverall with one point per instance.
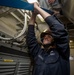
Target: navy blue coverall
point(56, 60)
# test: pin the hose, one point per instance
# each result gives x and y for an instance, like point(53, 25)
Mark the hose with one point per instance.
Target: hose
point(21, 33)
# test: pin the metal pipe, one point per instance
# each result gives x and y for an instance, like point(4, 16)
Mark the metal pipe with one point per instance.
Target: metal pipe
point(22, 32)
point(24, 28)
point(16, 17)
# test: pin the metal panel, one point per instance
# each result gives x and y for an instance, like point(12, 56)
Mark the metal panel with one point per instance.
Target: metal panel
point(68, 9)
point(23, 69)
point(14, 64)
point(7, 68)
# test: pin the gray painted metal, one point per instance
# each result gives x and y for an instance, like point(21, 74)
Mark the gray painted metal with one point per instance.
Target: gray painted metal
point(7, 68)
point(19, 65)
point(68, 9)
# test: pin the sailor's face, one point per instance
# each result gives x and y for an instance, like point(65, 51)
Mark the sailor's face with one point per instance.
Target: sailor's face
point(47, 39)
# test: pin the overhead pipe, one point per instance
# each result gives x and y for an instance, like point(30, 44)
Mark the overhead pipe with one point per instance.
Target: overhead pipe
point(22, 32)
point(16, 17)
point(24, 28)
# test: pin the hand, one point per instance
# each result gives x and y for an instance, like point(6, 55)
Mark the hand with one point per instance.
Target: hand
point(33, 18)
point(51, 1)
point(35, 12)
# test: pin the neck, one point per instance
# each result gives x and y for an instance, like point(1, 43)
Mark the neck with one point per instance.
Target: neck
point(47, 47)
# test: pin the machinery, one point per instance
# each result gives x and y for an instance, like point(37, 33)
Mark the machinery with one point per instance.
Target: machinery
point(14, 58)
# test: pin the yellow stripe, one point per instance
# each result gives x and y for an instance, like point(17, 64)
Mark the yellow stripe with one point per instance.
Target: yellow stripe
point(8, 60)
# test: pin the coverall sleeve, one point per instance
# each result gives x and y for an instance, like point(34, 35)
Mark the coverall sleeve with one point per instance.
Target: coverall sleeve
point(32, 43)
point(60, 36)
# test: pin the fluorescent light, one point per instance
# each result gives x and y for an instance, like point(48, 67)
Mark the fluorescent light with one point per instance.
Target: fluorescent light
point(32, 1)
point(40, 17)
point(71, 41)
point(71, 58)
point(45, 30)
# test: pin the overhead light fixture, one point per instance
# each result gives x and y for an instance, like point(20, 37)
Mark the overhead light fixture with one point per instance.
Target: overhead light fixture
point(71, 58)
point(45, 30)
point(71, 41)
point(40, 17)
point(32, 1)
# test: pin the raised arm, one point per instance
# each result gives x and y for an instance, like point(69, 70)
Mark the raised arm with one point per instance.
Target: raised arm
point(58, 31)
point(33, 45)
